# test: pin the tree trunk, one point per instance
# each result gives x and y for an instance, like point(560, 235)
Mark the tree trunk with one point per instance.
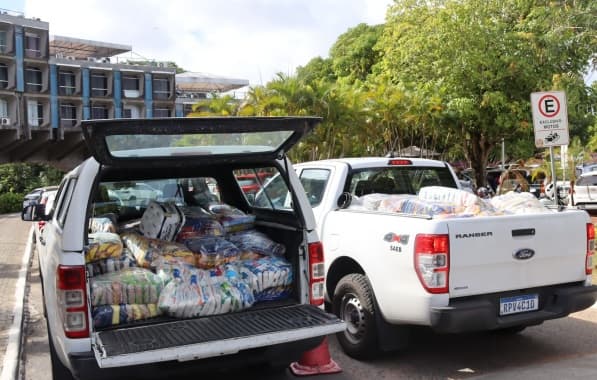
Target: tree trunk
point(478, 150)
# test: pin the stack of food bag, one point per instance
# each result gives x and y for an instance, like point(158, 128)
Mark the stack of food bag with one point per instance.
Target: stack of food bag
point(463, 202)
point(125, 296)
point(197, 292)
point(253, 244)
point(112, 264)
point(231, 218)
point(103, 245)
point(199, 223)
point(518, 203)
point(106, 223)
point(212, 251)
point(146, 250)
point(270, 278)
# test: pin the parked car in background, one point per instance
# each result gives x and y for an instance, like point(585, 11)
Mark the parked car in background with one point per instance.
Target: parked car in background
point(45, 208)
point(584, 194)
point(34, 198)
point(252, 182)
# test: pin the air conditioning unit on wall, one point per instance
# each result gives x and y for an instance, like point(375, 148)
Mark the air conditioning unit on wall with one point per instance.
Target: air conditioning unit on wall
point(5, 121)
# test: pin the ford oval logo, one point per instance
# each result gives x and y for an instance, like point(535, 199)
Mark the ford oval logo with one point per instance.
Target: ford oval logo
point(524, 254)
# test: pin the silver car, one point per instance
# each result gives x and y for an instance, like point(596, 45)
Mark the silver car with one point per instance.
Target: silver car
point(585, 191)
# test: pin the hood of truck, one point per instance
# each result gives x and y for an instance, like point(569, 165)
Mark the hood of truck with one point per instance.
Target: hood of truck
point(494, 254)
point(188, 141)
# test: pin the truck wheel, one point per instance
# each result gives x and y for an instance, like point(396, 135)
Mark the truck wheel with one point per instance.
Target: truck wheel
point(353, 302)
point(59, 370)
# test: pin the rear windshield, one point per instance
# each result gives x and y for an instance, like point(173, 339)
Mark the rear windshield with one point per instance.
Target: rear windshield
point(129, 199)
point(399, 180)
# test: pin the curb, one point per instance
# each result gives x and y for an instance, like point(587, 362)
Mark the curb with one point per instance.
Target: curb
point(10, 364)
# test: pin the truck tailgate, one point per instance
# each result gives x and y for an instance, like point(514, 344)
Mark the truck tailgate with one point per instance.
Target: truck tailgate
point(212, 336)
point(492, 254)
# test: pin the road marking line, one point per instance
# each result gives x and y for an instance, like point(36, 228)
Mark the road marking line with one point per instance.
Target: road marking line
point(10, 364)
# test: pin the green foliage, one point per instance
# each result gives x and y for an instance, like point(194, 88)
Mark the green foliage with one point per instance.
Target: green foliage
point(10, 202)
point(21, 177)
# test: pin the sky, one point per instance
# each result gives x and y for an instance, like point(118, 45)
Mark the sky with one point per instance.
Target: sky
point(244, 39)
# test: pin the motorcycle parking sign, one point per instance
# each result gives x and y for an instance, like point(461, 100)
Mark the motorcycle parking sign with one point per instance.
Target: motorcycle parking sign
point(550, 118)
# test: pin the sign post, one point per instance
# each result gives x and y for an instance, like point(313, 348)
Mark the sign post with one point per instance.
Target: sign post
point(550, 122)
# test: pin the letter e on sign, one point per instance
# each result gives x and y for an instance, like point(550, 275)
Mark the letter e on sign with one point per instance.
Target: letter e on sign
point(550, 118)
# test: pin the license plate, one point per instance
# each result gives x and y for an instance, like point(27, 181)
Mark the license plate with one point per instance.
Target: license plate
point(519, 304)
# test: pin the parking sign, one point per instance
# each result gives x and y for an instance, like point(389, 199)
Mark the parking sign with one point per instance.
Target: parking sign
point(550, 118)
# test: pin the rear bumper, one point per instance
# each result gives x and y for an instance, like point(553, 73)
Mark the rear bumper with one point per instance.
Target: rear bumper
point(84, 366)
point(481, 313)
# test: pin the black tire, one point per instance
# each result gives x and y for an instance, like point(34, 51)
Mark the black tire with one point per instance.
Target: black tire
point(59, 370)
point(354, 303)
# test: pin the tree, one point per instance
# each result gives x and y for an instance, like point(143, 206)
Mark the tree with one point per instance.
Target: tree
point(486, 57)
point(352, 55)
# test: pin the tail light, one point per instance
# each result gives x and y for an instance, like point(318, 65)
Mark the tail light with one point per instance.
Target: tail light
point(590, 248)
point(72, 300)
point(316, 274)
point(432, 262)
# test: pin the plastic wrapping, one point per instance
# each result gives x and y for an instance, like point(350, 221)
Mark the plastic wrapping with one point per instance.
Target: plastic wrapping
point(252, 242)
point(112, 315)
point(463, 202)
point(213, 251)
point(231, 218)
point(269, 277)
point(518, 203)
point(199, 223)
point(200, 292)
point(161, 220)
point(112, 264)
point(147, 250)
point(105, 223)
point(130, 286)
point(103, 245)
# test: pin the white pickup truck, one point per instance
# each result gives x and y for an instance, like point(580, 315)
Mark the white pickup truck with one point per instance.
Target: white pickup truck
point(97, 330)
point(386, 271)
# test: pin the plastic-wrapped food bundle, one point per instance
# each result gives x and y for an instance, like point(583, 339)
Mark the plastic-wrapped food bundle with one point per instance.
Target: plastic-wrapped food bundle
point(463, 202)
point(161, 220)
point(103, 245)
point(146, 250)
point(412, 205)
point(205, 292)
point(252, 243)
point(129, 286)
point(231, 218)
point(165, 267)
point(372, 201)
point(269, 277)
point(105, 223)
point(198, 223)
point(213, 251)
point(112, 264)
point(111, 315)
point(518, 203)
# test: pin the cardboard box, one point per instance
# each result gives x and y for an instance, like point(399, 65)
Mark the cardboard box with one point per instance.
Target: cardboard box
point(162, 220)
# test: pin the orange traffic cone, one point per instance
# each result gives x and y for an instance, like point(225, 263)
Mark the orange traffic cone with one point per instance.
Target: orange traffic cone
point(315, 361)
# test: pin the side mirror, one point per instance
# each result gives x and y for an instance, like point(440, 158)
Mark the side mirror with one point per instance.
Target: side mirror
point(344, 200)
point(28, 213)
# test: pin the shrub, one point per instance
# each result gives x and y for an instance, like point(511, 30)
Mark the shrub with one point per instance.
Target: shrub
point(10, 202)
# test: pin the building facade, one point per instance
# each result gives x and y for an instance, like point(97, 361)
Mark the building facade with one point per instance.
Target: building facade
point(50, 84)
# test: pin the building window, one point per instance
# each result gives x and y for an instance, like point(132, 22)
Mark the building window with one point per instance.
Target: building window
point(3, 75)
point(68, 115)
point(32, 45)
point(35, 113)
point(130, 86)
point(3, 108)
point(130, 112)
point(161, 88)
point(99, 112)
point(66, 83)
point(33, 79)
point(161, 112)
point(3, 43)
point(99, 85)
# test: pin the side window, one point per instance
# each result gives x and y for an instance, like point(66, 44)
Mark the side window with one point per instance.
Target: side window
point(64, 197)
point(314, 182)
point(274, 195)
point(252, 181)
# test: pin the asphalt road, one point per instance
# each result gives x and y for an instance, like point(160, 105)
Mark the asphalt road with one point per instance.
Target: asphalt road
point(559, 349)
